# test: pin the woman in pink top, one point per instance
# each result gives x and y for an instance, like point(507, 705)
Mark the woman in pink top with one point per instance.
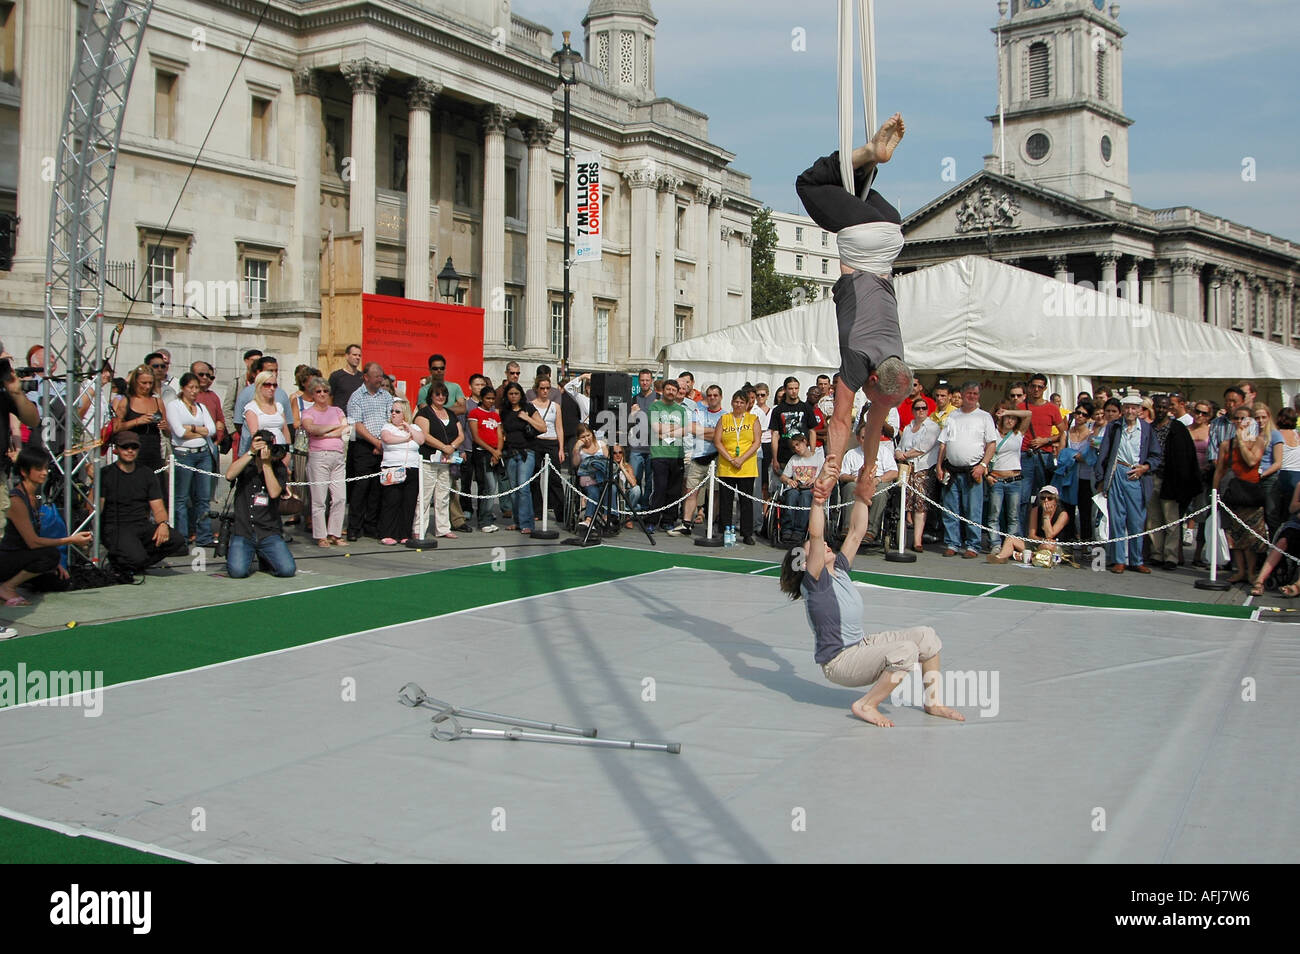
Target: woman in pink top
point(325, 424)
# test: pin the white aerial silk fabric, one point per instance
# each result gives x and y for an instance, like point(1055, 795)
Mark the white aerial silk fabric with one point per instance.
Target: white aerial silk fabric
point(867, 54)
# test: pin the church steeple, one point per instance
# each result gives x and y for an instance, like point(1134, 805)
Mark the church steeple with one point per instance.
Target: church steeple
point(1062, 97)
point(620, 37)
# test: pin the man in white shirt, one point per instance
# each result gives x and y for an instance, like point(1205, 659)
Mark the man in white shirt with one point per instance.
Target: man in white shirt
point(966, 446)
point(1178, 404)
point(574, 388)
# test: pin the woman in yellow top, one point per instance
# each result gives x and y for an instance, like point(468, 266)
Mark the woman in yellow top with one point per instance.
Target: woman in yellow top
point(737, 439)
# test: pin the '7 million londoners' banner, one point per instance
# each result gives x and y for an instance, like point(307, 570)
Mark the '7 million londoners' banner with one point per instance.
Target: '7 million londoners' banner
point(586, 207)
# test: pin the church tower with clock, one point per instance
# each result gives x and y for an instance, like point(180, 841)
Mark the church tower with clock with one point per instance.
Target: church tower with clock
point(1061, 122)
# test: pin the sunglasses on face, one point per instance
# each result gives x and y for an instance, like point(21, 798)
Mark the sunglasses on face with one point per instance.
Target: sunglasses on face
point(204, 374)
point(438, 367)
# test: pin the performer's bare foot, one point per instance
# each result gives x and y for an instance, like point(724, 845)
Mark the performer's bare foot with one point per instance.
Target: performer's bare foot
point(870, 714)
point(943, 712)
point(887, 139)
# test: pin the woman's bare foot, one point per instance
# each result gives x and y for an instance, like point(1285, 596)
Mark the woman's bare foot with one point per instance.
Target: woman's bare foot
point(887, 139)
point(943, 712)
point(870, 714)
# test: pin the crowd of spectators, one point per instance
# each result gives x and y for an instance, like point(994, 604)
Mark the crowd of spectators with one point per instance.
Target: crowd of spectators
point(1043, 476)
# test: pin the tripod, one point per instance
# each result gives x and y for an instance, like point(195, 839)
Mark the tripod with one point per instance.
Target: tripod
point(611, 502)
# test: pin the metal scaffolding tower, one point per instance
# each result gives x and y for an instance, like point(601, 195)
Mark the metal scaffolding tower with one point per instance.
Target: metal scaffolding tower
point(108, 42)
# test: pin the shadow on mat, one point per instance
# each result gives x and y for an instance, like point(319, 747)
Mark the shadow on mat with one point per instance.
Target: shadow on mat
point(734, 647)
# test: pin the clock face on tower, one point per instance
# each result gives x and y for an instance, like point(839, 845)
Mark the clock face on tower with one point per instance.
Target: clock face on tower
point(1038, 4)
point(1099, 4)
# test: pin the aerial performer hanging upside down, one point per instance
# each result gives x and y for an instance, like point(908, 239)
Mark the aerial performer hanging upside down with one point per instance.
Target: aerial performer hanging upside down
point(869, 235)
point(847, 655)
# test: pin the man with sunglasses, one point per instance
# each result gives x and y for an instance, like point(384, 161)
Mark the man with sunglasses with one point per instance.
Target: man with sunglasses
point(208, 397)
point(160, 363)
point(512, 377)
point(129, 497)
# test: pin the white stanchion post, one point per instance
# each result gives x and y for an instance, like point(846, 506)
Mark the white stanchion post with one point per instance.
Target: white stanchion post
point(544, 533)
point(711, 540)
point(901, 555)
point(171, 489)
point(1214, 583)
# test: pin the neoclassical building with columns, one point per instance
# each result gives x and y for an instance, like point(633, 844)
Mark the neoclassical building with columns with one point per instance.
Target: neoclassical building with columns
point(431, 128)
point(1054, 196)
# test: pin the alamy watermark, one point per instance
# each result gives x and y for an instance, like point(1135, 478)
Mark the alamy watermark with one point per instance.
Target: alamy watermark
point(956, 688)
point(57, 687)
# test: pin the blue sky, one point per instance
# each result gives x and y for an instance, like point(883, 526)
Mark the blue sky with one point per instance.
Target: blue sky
point(1208, 83)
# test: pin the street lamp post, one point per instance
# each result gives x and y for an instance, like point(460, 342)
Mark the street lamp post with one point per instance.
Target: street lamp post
point(566, 60)
point(448, 280)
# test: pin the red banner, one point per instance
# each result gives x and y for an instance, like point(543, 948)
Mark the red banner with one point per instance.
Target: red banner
point(401, 333)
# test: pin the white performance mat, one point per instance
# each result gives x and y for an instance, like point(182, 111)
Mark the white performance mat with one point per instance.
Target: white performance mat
point(1119, 736)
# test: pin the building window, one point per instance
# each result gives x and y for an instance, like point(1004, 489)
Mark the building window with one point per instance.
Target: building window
point(826, 240)
point(164, 104)
point(464, 180)
point(8, 34)
point(1257, 312)
point(625, 43)
point(798, 263)
point(508, 319)
point(462, 294)
point(681, 227)
point(257, 281)
point(645, 63)
point(826, 266)
point(557, 328)
point(798, 234)
point(259, 146)
point(1234, 305)
point(1101, 74)
point(1038, 146)
point(1040, 71)
point(680, 322)
point(162, 279)
point(512, 191)
point(602, 53)
point(1277, 316)
point(602, 332)
point(401, 147)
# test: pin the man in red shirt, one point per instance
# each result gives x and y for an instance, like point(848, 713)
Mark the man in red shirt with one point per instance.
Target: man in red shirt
point(905, 410)
point(485, 432)
point(1040, 447)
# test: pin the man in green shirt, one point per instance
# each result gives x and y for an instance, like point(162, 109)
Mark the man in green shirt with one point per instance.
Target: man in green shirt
point(668, 422)
point(438, 375)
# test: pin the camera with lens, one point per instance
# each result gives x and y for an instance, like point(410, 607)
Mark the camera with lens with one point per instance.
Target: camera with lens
point(225, 525)
point(156, 417)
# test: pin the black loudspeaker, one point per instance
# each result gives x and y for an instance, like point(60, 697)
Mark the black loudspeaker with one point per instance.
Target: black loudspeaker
point(611, 404)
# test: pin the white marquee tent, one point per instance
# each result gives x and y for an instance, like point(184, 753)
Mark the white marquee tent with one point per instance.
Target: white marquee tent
point(996, 321)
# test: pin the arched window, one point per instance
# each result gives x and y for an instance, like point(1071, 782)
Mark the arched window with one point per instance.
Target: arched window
point(1101, 74)
point(1040, 70)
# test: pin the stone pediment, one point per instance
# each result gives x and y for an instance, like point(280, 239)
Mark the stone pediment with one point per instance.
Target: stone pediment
point(988, 202)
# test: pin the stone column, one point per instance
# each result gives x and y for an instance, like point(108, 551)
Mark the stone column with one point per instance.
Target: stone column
point(1220, 279)
point(47, 30)
point(1288, 314)
point(1187, 288)
point(641, 238)
point(1276, 313)
point(364, 75)
point(1109, 273)
point(537, 325)
point(419, 100)
point(1133, 282)
point(666, 299)
point(746, 265)
point(1061, 268)
point(721, 234)
point(495, 120)
point(304, 255)
point(705, 317)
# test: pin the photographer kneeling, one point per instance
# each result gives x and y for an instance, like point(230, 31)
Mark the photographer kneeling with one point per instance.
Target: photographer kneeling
point(24, 554)
point(260, 478)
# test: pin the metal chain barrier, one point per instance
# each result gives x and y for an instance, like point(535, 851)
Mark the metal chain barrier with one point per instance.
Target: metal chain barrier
point(1253, 533)
point(616, 510)
point(1065, 543)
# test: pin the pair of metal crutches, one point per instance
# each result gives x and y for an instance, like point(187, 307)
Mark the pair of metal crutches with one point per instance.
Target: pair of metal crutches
point(447, 726)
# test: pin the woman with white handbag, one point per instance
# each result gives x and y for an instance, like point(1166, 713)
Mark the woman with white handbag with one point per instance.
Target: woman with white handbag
point(439, 452)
